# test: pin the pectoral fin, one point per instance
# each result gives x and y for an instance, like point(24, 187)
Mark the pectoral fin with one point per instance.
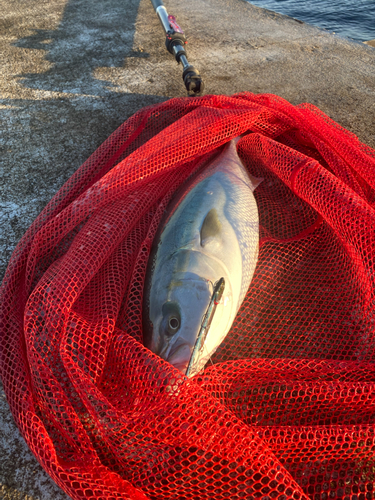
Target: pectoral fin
point(211, 227)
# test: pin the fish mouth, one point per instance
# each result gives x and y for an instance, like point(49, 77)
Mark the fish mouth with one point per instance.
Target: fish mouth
point(182, 367)
point(180, 357)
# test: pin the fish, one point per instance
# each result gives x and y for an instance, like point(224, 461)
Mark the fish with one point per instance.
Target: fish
point(210, 232)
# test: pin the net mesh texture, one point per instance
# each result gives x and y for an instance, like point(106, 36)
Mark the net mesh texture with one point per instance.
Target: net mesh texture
point(287, 409)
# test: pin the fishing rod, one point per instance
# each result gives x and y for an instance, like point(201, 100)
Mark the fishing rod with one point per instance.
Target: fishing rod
point(175, 42)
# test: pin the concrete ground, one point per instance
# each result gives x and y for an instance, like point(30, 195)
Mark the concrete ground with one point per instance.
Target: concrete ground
point(73, 70)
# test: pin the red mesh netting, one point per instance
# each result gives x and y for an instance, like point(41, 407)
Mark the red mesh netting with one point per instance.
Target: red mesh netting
point(287, 409)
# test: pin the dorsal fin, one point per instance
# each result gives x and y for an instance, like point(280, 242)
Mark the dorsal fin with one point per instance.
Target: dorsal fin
point(211, 227)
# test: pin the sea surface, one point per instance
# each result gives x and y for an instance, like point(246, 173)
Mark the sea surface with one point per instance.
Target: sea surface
point(349, 18)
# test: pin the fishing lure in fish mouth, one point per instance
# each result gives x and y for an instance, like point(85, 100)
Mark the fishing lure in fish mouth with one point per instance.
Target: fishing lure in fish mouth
point(206, 323)
point(201, 264)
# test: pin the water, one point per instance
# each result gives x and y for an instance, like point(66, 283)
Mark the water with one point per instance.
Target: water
point(349, 18)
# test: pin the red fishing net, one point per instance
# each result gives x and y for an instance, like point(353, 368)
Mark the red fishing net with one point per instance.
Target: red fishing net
point(286, 410)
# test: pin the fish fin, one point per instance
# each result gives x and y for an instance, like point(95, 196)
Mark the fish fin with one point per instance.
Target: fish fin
point(211, 227)
point(254, 181)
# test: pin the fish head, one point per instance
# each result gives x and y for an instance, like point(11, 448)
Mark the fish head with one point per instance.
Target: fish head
point(176, 318)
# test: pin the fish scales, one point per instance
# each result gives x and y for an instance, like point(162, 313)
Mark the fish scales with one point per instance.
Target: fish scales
point(211, 230)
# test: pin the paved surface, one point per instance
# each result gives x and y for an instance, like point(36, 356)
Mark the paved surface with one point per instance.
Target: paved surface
point(73, 70)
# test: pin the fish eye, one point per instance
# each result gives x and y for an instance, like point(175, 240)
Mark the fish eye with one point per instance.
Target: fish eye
point(171, 324)
point(171, 321)
point(174, 323)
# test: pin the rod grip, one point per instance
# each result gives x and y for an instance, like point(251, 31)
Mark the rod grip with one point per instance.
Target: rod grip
point(157, 3)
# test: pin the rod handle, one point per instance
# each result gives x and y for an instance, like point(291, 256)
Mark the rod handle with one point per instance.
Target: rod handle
point(157, 3)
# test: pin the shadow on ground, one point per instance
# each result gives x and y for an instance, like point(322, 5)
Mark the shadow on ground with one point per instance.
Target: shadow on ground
point(90, 35)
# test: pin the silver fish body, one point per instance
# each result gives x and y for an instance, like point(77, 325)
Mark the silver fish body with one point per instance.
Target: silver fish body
point(211, 231)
